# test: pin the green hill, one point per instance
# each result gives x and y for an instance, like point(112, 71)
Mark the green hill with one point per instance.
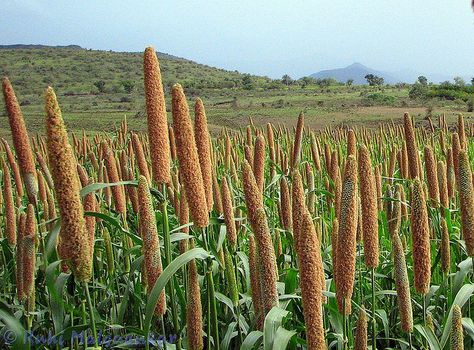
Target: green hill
point(97, 89)
point(74, 71)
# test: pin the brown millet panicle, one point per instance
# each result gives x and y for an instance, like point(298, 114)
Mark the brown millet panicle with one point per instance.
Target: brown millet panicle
point(412, 150)
point(90, 205)
point(315, 153)
point(259, 162)
point(457, 336)
point(298, 141)
point(442, 144)
point(378, 186)
point(431, 175)
point(248, 134)
point(19, 256)
point(15, 169)
point(248, 154)
point(140, 157)
point(172, 143)
point(21, 141)
point(404, 161)
point(395, 217)
point(298, 206)
point(157, 118)
point(310, 264)
point(63, 164)
point(351, 143)
point(334, 165)
point(113, 176)
point(461, 132)
point(421, 239)
point(217, 194)
point(183, 219)
point(361, 331)
point(450, 175)
point(29, 252)
point(429, 321)
point(253, 198)
point(228, 208)
point(445, 248)
point(10, 217)
point(131, 191)
point(443, 186)
point(402, 285)
point(337, 192)
point(151, 245)
point(188, 158)
point(41, 188)
point(285, 204)
point(256, 289)
point(45, 169)
point(194, 308)
point(311, 193)
point(391, 168)
point(368, 200)
point(335, 229)
point(456, 147)
point(266, 260)
point(203, 144)
point(466, 199)
point(346, 239)
point(327, 156)
point(271, 149)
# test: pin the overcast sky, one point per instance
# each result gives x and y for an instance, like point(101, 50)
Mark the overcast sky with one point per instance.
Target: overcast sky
point(265, 37)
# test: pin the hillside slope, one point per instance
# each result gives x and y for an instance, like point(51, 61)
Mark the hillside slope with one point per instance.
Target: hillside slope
point(73, 71)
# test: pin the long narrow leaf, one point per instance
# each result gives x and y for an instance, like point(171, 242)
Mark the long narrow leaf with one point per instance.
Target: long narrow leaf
point(175, 265)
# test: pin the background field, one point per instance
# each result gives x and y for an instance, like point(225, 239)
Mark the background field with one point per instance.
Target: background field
point(230, 97)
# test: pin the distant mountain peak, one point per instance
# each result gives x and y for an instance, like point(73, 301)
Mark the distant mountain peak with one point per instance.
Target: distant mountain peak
point(356, 71)
point(356, 65)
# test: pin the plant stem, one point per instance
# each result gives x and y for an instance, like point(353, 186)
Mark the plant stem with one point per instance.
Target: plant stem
point(208, 316)
point(374, 321)
point(163, 330)
point(211, 297)
point(168, 259)
point(359, 268)
point(344, 324)
point(91, 313)
point(424, 318)
point(409, 341)
point(237, 307)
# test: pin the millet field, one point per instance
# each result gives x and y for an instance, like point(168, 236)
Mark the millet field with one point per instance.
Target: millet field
point(264, 237)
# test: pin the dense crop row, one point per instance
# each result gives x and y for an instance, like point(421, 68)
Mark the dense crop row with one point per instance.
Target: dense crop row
point(267, 238)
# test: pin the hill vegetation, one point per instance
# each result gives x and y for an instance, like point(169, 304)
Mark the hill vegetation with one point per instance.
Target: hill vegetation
point(98, 89)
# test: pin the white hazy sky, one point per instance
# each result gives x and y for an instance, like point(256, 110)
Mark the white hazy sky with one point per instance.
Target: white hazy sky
point(265, 37)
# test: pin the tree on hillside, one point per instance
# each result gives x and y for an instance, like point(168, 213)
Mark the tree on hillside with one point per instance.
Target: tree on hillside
point(247, 82)
point(305, 81)
point(100, 85)
point(423, 80)
point(374, 80)
point(286, 79)
point(128, 86)
point(349, 82)
point(418, 91)
point(472, 81)
point(458, 81)
point(325, 82)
